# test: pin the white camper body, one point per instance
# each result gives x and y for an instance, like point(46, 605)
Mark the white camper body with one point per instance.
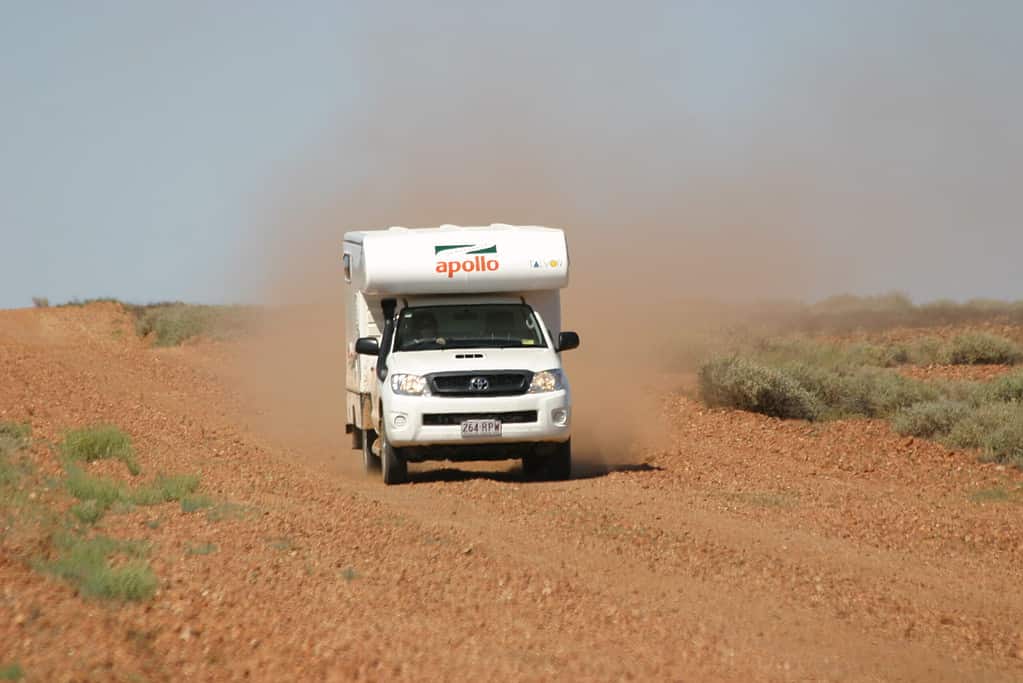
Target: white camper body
point(453, 346)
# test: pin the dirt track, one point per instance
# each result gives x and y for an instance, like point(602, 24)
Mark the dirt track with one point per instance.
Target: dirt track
point(741, 548)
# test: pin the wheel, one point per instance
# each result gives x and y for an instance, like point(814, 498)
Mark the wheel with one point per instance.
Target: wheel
point(394, 467)
point(370, 461)
point(559, 464)
point(549, 464)
point(533, 466)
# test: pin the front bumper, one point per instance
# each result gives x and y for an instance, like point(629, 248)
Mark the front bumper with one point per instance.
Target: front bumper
point(403, 419)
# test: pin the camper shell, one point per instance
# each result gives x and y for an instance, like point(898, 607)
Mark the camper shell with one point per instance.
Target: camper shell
point(453, 343)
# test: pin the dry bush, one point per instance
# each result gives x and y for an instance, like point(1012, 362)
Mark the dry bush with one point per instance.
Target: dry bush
point(742, 384)
point(981, 348)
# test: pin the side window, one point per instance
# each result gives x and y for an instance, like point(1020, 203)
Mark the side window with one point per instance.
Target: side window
point(348, 267)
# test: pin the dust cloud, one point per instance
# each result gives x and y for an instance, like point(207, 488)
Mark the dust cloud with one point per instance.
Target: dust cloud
point(669, 210)
point(633, 267)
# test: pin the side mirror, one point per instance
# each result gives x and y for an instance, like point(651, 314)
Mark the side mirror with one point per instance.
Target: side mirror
point(367, 346)
point(568, 341)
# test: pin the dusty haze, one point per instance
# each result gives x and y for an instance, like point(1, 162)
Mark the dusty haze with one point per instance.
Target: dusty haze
point(863, 171)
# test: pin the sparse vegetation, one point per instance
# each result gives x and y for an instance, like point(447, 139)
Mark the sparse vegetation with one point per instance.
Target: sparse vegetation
point(224, 511)
point(173, 323)
point(13, 435)
point(813, 380)
point(40, 302)
point(99, 494)
point(997, 494)
point(739, 383)
point(930, 418)
point(11, 672)
point(201, 549)
point(1007, 388)
point(976, 348)
point(99, 443)
point(165, 489)
point(85, 562)
point(194, 503)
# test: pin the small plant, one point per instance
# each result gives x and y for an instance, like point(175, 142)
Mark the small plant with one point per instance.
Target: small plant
point(40, 302)
point(194, 503)
point(99, 494)
point(283, 544)
point(930, 418)
point(173, 323)
point(13, 435)
point(739, 383)
point(1007, 388)
point(223, 511)
point(997, 494)
point(201, 549)
point(349, 574)
point(976, 348)
point(973, 430)
point(101, 490)
point(85, 562)
point(11, 672)
point(87, 511)
point(165, 489)
point(99, 443)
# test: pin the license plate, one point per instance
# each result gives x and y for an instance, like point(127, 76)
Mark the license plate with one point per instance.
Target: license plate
point(481, 428)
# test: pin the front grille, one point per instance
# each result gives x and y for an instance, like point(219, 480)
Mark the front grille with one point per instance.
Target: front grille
point(501, 383)
point(513, 417)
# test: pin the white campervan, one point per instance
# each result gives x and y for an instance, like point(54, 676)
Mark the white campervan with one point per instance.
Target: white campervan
point(453, 347)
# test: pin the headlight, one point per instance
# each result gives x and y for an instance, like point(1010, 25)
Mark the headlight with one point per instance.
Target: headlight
point(410, 385)
point(548, 380)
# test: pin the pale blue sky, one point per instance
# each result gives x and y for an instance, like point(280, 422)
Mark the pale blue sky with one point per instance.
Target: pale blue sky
point(146, 149)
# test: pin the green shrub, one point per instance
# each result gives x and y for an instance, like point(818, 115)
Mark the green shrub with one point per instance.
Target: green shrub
point(1006, 388)
point(99, 443)
point(164, 489)
point(975, 428)
point(926, 351)
point(85, 563)
point(930, 418)
point(739, 383)
point(11, 672)
point(13, 435)
point(173, 323)
point(88, 511)
point(102, 490)
point(980, 348)
point(858, 392)
point(201, 549)
point(1005, 444)
point(99, 494)
point(194, 503)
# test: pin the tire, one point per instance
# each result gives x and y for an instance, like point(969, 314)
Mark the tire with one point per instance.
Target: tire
point(559, 465)
point(370, 461)
point(551, 466)
point(533, 466)
point(392, 464)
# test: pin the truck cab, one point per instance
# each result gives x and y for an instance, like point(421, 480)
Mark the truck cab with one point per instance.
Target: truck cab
point(454, 347)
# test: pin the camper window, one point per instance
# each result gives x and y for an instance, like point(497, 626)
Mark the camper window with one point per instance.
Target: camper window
point(473, 326)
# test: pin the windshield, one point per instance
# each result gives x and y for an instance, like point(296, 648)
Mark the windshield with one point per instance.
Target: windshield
point(472, 326)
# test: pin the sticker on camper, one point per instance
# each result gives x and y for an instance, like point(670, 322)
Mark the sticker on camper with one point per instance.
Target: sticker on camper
point(544, 264)
point(465, 258)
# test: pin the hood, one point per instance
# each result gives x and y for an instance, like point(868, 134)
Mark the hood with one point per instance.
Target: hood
point(425, 362)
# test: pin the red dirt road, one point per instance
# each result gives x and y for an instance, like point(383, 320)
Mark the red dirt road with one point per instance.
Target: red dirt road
point(742, 548)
